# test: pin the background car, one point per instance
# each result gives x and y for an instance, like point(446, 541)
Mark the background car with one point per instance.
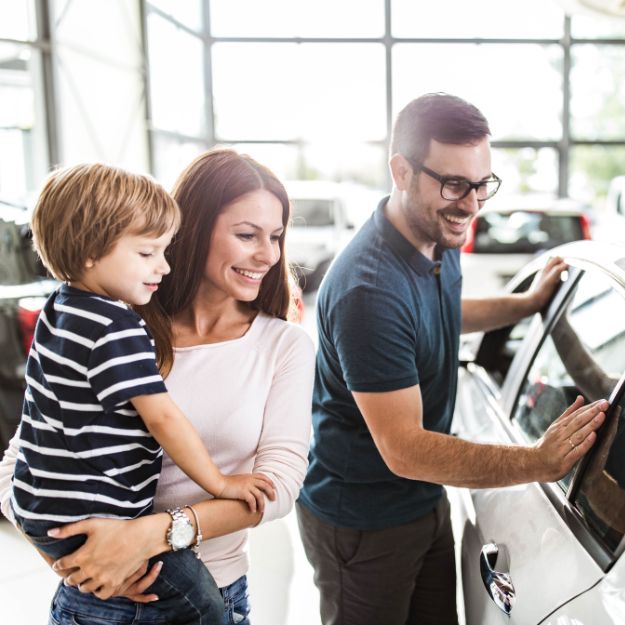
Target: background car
point(548, 553)
point(319, 228)
point(23, 289)
point(509, 231)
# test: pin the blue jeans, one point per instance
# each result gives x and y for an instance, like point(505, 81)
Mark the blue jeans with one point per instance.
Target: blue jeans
point(188, 594)
point(71, 607)
point(237, 603)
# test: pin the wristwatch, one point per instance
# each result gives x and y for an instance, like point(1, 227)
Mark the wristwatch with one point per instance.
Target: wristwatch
point(180, 534)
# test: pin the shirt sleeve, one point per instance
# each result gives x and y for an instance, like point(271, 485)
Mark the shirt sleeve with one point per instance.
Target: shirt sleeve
point(285, 438)
point(374, 334)
point(122, 364)
point(7, 467)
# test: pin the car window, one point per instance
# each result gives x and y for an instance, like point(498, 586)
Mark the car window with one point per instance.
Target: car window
point(583, 354)
point(524, 232)
point(312, 212)
point(499, 347)
point(601, 495)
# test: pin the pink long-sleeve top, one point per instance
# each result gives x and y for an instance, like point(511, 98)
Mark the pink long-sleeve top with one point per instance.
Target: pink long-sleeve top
point(250, 401)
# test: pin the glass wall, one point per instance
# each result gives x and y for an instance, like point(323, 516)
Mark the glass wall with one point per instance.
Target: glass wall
point(311, 88)
point(72, 89)
point(23, 140)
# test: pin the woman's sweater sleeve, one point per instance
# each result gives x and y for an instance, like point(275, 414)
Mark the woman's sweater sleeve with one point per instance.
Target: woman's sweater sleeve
point(285, 438)
point(6, 473)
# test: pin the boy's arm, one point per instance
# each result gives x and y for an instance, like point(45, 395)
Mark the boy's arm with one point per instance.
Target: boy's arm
point(175, 434)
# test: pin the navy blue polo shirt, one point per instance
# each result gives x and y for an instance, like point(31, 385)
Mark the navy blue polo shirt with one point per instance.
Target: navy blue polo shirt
point(388, 318)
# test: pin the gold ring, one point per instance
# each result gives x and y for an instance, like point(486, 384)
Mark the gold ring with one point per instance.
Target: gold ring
point(573, 446)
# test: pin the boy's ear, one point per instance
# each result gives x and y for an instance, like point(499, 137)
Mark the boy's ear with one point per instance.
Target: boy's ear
point(89, 263)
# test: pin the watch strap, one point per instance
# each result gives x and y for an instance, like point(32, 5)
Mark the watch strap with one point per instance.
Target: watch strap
point(198, 533)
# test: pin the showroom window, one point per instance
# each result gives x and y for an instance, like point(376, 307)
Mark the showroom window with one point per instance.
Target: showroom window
point(312, 92)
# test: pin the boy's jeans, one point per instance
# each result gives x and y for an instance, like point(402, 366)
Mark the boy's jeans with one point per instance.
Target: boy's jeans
point(188, 594)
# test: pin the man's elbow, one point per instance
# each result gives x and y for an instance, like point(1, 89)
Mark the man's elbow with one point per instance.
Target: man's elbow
point(395, 462)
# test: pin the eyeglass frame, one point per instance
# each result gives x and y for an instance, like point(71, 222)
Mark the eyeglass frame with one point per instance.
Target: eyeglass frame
point(472, 186)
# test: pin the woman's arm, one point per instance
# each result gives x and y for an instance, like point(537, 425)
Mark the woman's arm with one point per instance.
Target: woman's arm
point(115, 549)
point(6, 473)
point(285, 438)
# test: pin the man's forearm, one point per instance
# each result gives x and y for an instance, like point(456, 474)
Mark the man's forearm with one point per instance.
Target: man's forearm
point(443, 459)
point(482, 315)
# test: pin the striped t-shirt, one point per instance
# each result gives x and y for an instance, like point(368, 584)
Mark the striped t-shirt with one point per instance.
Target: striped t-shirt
point(84, 450)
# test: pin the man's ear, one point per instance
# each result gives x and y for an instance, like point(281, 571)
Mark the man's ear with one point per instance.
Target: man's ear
point(89, 263)
point(401, 171)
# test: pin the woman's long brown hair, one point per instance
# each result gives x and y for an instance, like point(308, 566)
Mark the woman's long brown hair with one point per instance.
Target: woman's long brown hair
point(204, 188)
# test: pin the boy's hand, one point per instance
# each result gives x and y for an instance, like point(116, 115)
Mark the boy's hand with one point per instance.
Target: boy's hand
point(250, 487)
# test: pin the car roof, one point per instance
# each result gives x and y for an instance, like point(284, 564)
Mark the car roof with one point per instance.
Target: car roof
point(609, 256)
point(535, 203)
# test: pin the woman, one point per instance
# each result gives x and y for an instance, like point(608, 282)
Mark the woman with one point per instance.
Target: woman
point(236, 368)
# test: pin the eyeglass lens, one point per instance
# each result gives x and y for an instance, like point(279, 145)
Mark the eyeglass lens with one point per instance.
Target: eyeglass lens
point(458, 189)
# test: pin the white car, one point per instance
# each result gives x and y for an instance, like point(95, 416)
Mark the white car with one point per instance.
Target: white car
point(319, 229)
point(509, 231)
point(549, 554)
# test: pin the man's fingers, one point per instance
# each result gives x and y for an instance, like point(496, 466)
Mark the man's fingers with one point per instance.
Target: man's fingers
point(581, 449)
point(578, 403)
point(592, 414)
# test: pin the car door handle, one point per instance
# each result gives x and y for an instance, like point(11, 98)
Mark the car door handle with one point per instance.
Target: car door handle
point(498, 585)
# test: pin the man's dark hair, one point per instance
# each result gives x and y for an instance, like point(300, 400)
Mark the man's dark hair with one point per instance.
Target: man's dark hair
point(439, 116)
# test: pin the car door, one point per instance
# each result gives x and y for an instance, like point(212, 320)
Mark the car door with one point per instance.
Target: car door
point(510, 394)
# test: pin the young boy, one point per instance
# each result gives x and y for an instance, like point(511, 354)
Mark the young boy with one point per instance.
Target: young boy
point(96, 411)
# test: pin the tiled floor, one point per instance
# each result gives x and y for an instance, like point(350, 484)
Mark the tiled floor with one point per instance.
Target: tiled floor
point(281, 586)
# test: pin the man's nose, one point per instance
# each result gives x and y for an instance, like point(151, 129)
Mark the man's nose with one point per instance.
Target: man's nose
point(470, 203)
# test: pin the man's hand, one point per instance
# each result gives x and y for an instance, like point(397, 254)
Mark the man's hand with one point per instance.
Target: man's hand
point(490, 313)
point(568, 438)
point(545, 284)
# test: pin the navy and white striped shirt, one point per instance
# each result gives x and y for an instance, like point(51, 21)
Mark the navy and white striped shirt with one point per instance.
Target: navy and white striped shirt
point(84, 450)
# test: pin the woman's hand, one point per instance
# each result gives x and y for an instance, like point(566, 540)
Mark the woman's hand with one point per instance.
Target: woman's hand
point(109, 562)
point(139, 582)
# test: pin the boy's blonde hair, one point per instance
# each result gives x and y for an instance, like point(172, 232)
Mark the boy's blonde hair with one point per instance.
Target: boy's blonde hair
point(84, 210)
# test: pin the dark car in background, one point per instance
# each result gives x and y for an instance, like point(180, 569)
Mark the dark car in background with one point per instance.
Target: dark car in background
point(23, 289)
point(549, 554)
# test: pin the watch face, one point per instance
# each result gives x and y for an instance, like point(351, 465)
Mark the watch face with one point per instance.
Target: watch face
point(182, 534)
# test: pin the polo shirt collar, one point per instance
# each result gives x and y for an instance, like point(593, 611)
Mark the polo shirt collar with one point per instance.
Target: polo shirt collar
point(402, 247)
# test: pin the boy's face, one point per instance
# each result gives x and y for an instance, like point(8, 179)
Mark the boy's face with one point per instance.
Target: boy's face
point(131, 271)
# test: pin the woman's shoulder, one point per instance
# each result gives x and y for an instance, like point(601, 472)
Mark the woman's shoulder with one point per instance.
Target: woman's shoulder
point(283, 333)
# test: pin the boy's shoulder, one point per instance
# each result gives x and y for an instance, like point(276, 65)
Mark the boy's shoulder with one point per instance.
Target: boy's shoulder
point(90, 308)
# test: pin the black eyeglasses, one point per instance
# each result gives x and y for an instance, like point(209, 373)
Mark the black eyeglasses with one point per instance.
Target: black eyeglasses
point(455, 188)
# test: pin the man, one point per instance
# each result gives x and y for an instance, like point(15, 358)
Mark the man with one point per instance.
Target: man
point(373, 515)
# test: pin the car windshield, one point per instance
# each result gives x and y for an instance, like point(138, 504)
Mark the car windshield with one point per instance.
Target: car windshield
point(524, 232)
point(312, 212)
